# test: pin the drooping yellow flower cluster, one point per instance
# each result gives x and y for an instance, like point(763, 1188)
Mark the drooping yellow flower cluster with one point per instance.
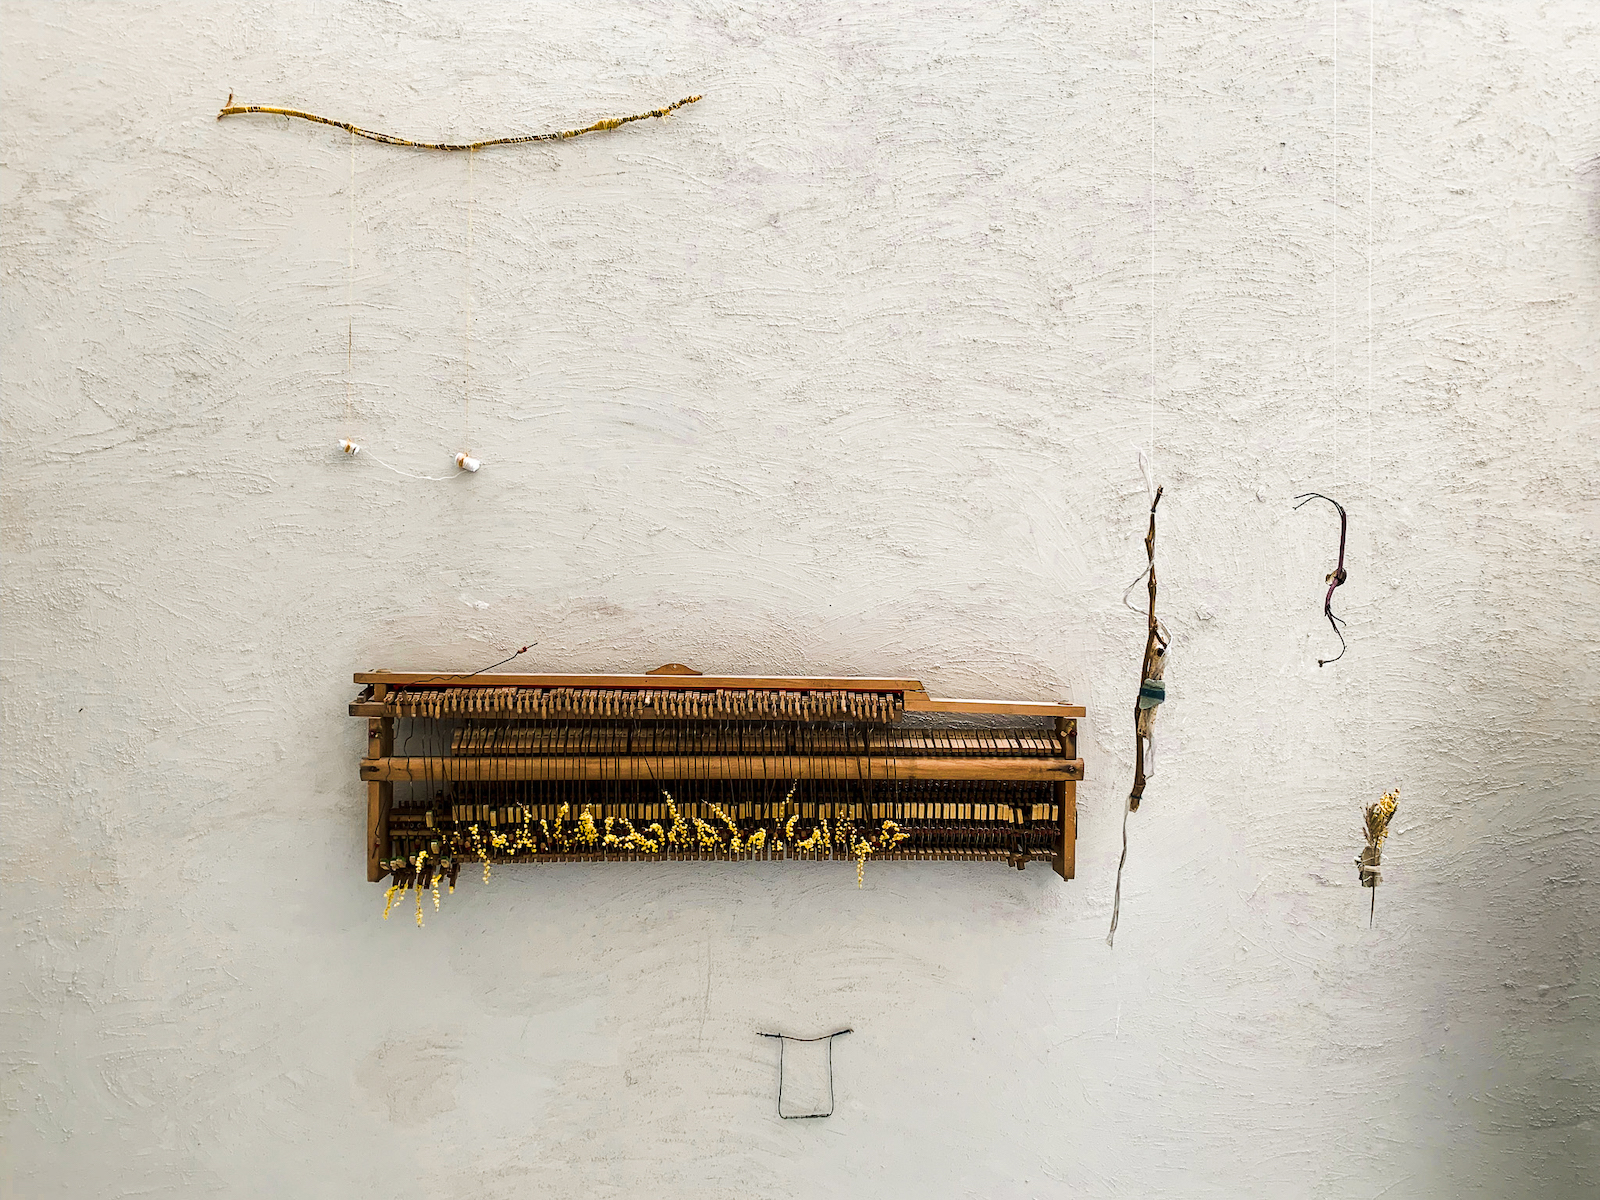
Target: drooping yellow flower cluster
point(735, 843)
point(843, 836)
point(584, 834)
point(633, 840)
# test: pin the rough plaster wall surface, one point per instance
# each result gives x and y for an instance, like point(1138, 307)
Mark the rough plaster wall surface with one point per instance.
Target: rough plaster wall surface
point(841, 370)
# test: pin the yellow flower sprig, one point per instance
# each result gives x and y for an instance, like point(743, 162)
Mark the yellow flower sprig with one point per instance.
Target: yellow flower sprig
point(735, 843)
point(678, 835)
point(525, 839)
point(480, 848)
point(1376, 818)
point(862, 849)
point(639, 841)
point(631, 838)
point(422, 858)
point(431, 867)
point(818, 839)
point(587, 833)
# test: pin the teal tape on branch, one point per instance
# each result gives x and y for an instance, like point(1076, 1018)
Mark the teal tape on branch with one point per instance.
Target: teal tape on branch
point(1151, 693)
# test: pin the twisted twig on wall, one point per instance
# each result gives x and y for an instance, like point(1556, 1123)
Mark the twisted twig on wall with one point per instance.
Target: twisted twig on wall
point(230, 109)
point(1152, 691)
point(1155, 649)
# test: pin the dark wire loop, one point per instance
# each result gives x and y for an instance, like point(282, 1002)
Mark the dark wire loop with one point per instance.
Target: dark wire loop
point(469, 674)
point(503, 661)
point(784, 1037)
point(1336, 577)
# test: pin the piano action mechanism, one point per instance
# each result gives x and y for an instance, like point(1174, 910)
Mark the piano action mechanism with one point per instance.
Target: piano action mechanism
point(677, 765)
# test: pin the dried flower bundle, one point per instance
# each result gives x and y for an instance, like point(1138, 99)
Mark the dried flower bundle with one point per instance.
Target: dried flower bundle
point(1375, 823)
point(523, 840)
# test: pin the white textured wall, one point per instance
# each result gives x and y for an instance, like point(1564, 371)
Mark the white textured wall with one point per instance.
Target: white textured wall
point(841, 370)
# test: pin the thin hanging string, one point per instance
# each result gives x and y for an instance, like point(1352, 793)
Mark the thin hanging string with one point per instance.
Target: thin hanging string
point(1372, 14)
point(1149, 475)
point(1333, 326)
point(350, 298)
point(1150, 491)
point(350, 323)
point(1146, 463)
point(407, 474)
point(1116, 895)
point(467, 382)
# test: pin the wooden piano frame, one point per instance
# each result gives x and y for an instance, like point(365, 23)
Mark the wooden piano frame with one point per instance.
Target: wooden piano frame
point(381, 768)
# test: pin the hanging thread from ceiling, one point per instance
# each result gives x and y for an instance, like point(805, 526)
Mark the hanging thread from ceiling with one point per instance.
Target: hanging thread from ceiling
point(466, 385)
point(465, 460)
point(1152, 665)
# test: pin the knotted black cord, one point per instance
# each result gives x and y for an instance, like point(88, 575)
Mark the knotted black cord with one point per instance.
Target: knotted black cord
point(1336, 577)
point(784, 1037)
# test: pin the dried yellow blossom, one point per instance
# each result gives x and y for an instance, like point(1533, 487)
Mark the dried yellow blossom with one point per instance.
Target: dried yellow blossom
point(735, 844)
point(1377, 817)
point(1375, 820)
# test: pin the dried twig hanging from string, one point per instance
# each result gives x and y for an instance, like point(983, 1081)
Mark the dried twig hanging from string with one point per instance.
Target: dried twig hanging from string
point(1152, 691)
point(230, 109)
point(1336, 577)
point(1375, 820)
